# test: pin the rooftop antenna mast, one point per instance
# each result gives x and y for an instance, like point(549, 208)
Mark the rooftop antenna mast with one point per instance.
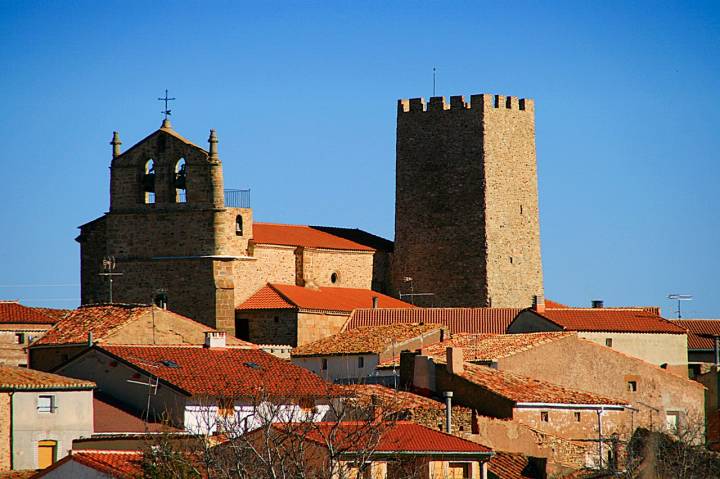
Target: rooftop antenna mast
point(434, 75)
point(167, 112)
point(679, 298)
point(108, 264)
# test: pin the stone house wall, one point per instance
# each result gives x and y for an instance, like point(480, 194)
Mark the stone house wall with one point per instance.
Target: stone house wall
point(584, 365)
point(352, 269)
point(5, 432)
point(270, 326)
point(12, 351)
point(317, 325)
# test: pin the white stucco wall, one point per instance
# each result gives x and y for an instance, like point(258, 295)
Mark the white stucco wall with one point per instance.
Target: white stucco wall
point(654, 348)
point(340, 367)
point(71, 419)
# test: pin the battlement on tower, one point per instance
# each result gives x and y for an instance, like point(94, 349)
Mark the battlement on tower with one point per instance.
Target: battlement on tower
point(481, 101)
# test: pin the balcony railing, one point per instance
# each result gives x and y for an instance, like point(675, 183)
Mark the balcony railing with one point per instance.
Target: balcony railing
point(237, 198)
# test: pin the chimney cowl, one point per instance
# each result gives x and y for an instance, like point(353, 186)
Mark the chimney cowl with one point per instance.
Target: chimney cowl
point(215, 339)
point(598, 303)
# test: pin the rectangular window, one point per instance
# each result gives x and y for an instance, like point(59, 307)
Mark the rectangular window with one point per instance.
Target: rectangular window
point(544, 416)
point(361, 362)
point(608, 342)
point(323, 366)
point(632, 386)
point(46, 404)
point(459, 470)
point(577, 417)
point(20, 338)
point(672, 421)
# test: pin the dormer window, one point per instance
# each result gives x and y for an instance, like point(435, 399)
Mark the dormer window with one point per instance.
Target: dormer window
point(148, 182)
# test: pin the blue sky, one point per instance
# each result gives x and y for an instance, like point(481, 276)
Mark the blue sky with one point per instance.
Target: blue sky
point(303, 97)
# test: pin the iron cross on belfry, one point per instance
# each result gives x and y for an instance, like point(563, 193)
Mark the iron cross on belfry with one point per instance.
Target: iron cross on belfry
point(166, 111)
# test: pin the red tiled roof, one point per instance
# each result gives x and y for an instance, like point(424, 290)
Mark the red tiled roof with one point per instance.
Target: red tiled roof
point(14, 378)
point(285, 296)
point(400, 436)
point(110, 417)
point(117, 464)
point(301, 235)
point(222, 372)
point(695, 328)
point(521, 389)
point(15, 313)
point(508, 465)
point(610, 319)
point(457, 320)
point(489, 347)
point(102, 321)
point(554, 304)
point(403, 400)
point(364, 340)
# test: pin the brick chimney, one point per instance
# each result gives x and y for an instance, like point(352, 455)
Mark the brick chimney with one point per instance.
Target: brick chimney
point(215, 339)
point(455, 360)
point(538, 304)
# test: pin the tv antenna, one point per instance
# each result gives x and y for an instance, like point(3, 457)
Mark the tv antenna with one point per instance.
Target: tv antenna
point(412, 293)
point(679, 298)
point(108, 264)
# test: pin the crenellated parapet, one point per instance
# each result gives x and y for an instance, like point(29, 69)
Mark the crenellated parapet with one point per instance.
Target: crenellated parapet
point(481, 101)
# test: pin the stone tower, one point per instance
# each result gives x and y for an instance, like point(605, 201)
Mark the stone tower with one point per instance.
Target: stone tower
point(466, 207)
point(169, 230)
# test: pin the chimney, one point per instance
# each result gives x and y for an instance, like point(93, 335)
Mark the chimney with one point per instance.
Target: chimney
point(455, 360)
point(538, 304)
point(377, 410)
point(375, 301)
point(448, 410)
point(214, 339)
point(597, 303)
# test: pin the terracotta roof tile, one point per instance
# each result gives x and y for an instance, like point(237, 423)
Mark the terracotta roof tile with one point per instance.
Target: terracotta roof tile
point(695, 328)
point(102, 321)
point(508, 465)
point(457, 320)
point(301, 235)
point(15, 313)
point(109, 416)
point(364, 340)
point(13, 378)
point(222, 372)
point(285, 296)
point(489, 347)
point(400, 436)
point(521, 389)
point(610, 319)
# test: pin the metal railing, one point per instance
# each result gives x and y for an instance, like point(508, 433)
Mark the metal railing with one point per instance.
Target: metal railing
point(237, 198)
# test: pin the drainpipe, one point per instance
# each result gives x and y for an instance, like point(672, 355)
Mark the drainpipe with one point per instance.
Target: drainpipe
point(448, 411)
point(12, 431)
point(600, 438)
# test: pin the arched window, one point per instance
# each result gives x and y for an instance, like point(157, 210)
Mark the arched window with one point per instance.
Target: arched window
point(238, 225)
point(148, 182)
point(180, 181)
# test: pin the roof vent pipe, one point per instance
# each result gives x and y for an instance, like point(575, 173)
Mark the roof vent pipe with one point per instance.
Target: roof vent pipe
point(598, 303)
point(448, 411)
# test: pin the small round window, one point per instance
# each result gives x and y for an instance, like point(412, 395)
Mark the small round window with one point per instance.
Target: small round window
point(334, 278)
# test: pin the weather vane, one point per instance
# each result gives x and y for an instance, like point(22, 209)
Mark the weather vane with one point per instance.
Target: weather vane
point(166, 111)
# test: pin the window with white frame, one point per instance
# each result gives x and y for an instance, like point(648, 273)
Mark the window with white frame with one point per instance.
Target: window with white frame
point(672, 421)
point(46, 403)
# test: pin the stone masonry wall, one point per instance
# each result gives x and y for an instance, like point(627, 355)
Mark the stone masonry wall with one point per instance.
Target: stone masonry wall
point(314, 326)
point(464, 171)
point(13, 352)
point(271, 326)
point(354, 269)
point(5, 432)
point(600, 370)
point(269, 264)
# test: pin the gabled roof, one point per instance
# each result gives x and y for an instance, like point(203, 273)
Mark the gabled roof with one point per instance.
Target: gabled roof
point(302, 235)
point(697, 327)
point(285, 296)
point(167, 129)
point(395, 437)
point(117, 464)
point(618, 320)
point(18, 379)
point(490, 347)
point(521, 389)
point(221, 372)
point(12, 312)
point(457, 320)
point(103, 320)
point(507, 465)
point(364, 340)
point(111, 417)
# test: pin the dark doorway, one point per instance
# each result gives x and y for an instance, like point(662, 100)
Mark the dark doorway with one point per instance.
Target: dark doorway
point(242, 328)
